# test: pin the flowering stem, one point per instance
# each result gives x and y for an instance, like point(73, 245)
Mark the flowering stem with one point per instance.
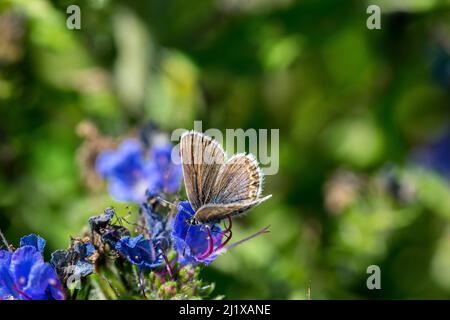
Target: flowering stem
point(210, 249)
point(140, 276)
point(74, 294)
point(168, 265)
point(5, 241)
point(110, 285)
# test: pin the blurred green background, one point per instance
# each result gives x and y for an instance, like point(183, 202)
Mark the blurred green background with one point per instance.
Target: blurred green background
point(351, 104)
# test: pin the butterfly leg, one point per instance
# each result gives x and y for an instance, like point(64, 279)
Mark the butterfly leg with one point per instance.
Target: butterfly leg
point(227, 233)
point(230, 225)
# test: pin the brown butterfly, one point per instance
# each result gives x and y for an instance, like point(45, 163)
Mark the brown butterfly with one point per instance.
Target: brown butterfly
point(218, 188)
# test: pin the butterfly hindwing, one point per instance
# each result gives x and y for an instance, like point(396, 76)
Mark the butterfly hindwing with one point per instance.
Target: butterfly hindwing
point(216, 212)
point(240, 180)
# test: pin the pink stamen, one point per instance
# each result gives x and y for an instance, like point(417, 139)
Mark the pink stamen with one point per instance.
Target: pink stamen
point(22, 293)
point(210, 249)
point(227, 233)
point(168, 265)
point(229, 236)
point(230, 224)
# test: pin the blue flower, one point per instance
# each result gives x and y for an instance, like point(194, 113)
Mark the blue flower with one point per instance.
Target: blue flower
point(25, 276)
point(85, 250)
point(78, 260)
point(84, 267)
point(192, 242)
point(125, 170)
point(141, 252)
point(166, 175)
point(130, 173)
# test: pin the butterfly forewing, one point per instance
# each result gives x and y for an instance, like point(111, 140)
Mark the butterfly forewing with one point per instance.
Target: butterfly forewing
point(202, 159)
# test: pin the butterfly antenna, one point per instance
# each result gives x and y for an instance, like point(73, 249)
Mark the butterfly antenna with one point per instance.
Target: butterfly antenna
point(135, 224)
point(177, 200)
point(170, 204)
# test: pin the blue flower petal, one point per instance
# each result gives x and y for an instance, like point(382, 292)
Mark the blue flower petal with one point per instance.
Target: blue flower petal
point(83, 268)
point(166, 175)
point(33, 240)
point(102, 221)
point(159, 226)
point(43, 279)
point(105, 163)
point(124, 171)
point(41, 274)
point(130, 173)
point(5, 258)
point(85, 250)
point(127, 192)
point(22, 261)
point(59, 259)
point(25, 276)
point(191, 241)
point(139, 251)
point(7, 286)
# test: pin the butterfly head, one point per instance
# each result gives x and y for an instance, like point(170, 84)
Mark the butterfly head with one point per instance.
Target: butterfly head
point(193, 221)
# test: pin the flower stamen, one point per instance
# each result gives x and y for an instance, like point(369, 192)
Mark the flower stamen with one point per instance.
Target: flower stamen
point(210, 249)
point(22, 293)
